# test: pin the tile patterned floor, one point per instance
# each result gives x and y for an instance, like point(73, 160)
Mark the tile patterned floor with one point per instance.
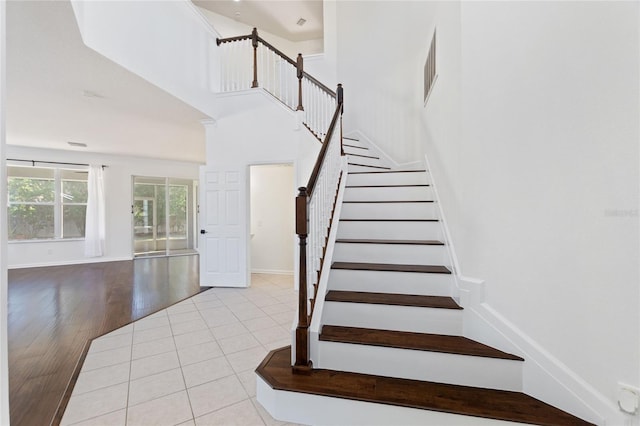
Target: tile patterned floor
point(190, 364)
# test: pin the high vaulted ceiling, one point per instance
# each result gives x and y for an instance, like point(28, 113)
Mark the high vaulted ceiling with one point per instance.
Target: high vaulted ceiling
point(59, 90)
point(278, 17)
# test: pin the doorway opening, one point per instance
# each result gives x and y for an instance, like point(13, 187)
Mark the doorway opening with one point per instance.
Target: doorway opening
point(164, 216)
point(272, 212)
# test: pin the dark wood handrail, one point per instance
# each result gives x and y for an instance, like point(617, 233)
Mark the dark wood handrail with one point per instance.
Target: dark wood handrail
point(323, 152)
point(278, 52)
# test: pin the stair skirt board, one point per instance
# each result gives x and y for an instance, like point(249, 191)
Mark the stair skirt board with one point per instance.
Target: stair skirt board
point(428, 366)
point(392, 317)
point(308, 408)
point(390, 229)
point(388, 193)
point(389, 210)
point(391, 253)
point(391, 282)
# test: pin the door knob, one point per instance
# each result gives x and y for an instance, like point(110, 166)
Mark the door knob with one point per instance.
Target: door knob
point(203, 231)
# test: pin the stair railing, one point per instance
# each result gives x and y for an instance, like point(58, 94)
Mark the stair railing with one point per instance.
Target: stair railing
point(249, 61)
point(315, 205)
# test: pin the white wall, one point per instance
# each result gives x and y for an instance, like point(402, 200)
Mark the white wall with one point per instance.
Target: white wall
point(4, 362)
point(168, 43)
point(272, 210)
point(118, 195)
point(532, 134)
point(379, 47)
point(256, 129)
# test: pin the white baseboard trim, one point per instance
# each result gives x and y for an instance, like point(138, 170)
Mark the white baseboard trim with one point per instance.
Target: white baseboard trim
point(70, 262)
point(271, 271)
point(544, 376)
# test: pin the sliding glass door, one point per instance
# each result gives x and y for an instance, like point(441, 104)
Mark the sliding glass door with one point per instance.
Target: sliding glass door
point(163, 216)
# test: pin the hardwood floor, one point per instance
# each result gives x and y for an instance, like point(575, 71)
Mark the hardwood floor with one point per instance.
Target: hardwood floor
point(55, 311)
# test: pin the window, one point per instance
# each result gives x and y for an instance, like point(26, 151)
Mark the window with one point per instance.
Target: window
point(46, 203)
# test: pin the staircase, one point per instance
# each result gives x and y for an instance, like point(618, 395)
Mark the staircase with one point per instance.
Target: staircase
point(391, 334)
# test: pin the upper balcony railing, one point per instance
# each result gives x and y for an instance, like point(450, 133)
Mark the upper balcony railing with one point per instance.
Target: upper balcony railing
point(250, 62)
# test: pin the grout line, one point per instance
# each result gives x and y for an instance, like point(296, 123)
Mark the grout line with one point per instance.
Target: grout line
point(126, 408)
point(184, 381)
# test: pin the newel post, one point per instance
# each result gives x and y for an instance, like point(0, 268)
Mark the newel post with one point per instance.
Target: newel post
point(300, 72)
point(302, 335)
point(340, 94)
point(254, 43)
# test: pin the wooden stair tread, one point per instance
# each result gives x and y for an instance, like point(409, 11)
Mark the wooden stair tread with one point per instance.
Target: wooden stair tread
point(389, 186)
point(408, 340)
point(440, 302)
point(388, 220)
point(388, 171)
point(364, 156)
point(392, 267)
point(276, 371)
point(387, 201)
point(367, 165)
point(354, 146)
point(400, 242)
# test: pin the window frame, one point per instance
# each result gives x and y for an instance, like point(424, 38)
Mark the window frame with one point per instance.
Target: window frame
point(58, 203)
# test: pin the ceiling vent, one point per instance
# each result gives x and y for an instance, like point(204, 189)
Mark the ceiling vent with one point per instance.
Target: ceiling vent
point(301, 21)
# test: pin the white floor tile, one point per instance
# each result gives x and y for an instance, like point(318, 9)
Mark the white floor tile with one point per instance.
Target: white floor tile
point(184, 316)
point(188, 326)
point(248, 380)
point(209, 304)
point(276, 309)
point(154, 364)
point(272, 334)
point(155, 386)
point(278, 344)
point(247, 360)
point(214, 395)
point(101, 378)
point(126, 329)
point(284, 318)
point(264, 414)
point(206, 371)
point(193, 338)
point(153, 347)
point(228, 330)
point(106, 343)
point(168, 410)
point(96, 403)
point(106, 358)
point(182, 307)
point(202, 352)
point(141, 336)
point(233, 344)
point(240, 414)
point(116, 418)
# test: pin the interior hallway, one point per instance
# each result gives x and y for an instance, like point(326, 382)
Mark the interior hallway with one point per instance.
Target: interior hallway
point(53, 312)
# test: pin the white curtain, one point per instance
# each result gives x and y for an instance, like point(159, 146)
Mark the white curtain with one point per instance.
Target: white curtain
point(95, 223)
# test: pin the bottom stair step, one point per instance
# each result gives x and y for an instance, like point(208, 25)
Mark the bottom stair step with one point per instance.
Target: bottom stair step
point(408, 340)
point(275, 370)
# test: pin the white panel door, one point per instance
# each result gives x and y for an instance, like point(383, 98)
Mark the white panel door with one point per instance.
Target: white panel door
point(223, 218)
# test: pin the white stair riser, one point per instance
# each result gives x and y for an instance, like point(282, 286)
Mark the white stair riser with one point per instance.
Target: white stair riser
point(389, 317)
point(354, 143)
point(388, 211)
point(348, 150)
point(391, 282)
point(403, 254)
point(421, 365)
point(414, 178)
point(390, 230)
point(357, 168)
point(391, 193)
point(305, 408)
point(365, 160)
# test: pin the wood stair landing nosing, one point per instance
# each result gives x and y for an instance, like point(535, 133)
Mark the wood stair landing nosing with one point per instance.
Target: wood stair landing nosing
point(397, 242)
point(393, 299)
point(391, 267)
point(388, 171)
point(458, 345)
point(368, 165)
point(495, 404)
